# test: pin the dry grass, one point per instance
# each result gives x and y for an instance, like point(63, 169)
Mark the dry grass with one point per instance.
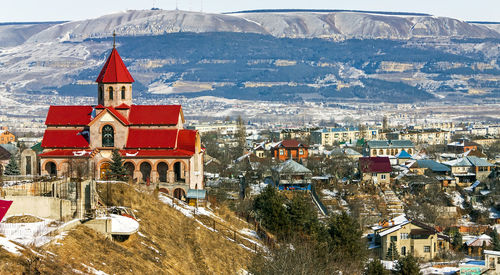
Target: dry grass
point(22, 219)
point(171, 244)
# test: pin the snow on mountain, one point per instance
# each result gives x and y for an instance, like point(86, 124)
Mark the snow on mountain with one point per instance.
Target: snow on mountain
point(145, 22)
point(337, 25)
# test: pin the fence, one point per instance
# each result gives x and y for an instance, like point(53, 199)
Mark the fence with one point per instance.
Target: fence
point(59, 189)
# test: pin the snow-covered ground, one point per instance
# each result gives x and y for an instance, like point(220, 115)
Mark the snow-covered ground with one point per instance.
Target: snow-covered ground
point(329, 194)
point(123, 224)
point(10, 246)
point(36, 233)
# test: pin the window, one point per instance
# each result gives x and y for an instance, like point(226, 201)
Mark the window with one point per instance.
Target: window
point(404, 236)
point(394, 238)
point(427, 248)
point(403, 250)
point(111, 93)
point(123, 92)
point(108, 136)
point(382, 176)
point(281, 152)
point(101, 93)
point(301, 152)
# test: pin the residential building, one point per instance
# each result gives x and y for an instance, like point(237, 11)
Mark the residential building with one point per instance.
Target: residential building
point(6, 136)
point(408, 236)
point(151, 139)
point(462, 146)
point(424, 136)
point(375, 148)
point(222, 127)
point(291, 175)
point(475, 246)
point(441, 171)
point(469, 169)
point(492, 261)
point(290, 149)
point(332, 136)
point(376, 169)
point(292, 133)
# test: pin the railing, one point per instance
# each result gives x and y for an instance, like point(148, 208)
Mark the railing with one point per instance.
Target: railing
point(224, 230)
point(317, 201)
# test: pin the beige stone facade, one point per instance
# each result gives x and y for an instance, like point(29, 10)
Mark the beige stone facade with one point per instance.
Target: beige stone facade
point(155, 147)
point(411, 238)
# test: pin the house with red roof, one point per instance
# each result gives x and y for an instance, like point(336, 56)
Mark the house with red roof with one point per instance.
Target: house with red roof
point(289, 149)
point(376, 169)
point(151, 139)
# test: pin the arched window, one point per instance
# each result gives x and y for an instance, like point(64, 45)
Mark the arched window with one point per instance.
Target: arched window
point(111, 93)
point(123, 92)
point(101, 93)
point(108, 136)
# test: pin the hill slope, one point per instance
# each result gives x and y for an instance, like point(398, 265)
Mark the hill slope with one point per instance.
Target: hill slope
point(168, 243)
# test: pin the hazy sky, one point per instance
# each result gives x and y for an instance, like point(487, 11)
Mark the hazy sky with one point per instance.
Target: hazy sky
point(52, 10)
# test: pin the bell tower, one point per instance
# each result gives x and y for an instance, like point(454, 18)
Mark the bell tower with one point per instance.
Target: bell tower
point(114, 83)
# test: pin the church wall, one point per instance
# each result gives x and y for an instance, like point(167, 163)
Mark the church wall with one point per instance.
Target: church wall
point(120, 132)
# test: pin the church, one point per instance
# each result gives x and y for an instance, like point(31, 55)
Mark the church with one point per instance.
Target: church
point(151, 139)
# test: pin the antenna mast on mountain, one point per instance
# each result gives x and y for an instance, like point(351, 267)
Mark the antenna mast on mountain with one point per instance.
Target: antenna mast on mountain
point(114, 39)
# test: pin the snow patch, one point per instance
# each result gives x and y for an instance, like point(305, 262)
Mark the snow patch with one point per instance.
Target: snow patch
point(10, 246)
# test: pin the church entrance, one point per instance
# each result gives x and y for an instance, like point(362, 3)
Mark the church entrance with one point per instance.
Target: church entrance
point(145, 171)
point(105, 169)
point(179, 193)
point(51, 169)
point(129, 167)
point(162, 169)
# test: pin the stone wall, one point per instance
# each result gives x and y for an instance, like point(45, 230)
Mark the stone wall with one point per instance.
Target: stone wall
point(43, 207)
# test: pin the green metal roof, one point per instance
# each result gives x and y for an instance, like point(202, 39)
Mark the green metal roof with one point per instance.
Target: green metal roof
point(196, 194)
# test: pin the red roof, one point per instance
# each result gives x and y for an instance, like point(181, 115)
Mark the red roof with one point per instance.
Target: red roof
point(64, 139)
point(375, 164)
point(154, 114)
point(155, 153)
point(187, 140)
point(122, 106)
point(291, 143)
point(69, 115)
point(67, 153)
point(114, 71)
point(118, 115)
point(100, 106)
point(151, 138)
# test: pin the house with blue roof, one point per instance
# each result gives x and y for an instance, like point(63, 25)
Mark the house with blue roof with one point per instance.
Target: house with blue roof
point(468, 169)
point(440, 171)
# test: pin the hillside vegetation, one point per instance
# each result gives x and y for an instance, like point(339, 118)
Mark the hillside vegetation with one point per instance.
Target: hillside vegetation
point(168, 243)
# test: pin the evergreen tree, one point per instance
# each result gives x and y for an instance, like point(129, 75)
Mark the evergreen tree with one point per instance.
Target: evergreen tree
point(392, 252)
point(495, 240)
point(456, 239)
point(345, 239)
point(270, 209)
point(375, 267)
point(12, 169)
point(407, 266)
point(117, 170)
point(303, 217)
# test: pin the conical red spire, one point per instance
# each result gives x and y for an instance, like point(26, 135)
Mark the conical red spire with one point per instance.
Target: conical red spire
point(114, 71)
